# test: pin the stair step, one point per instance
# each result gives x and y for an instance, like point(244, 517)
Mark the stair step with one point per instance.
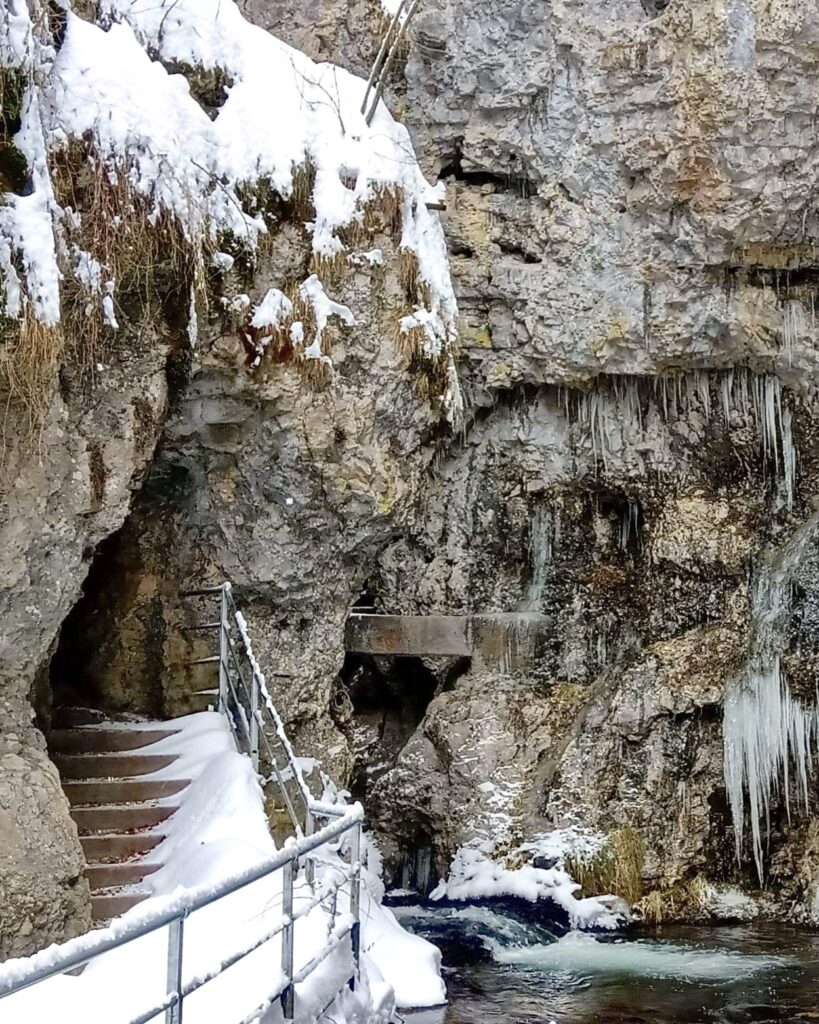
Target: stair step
point(67, 717)
point(104, 876)
point(110, 766)
point(117, 847)
point(119, 819)
point(105, 906)
point(98, 740)
point(118, 791)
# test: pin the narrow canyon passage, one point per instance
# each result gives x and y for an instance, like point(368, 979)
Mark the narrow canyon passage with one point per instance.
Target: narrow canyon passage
point(410, 415)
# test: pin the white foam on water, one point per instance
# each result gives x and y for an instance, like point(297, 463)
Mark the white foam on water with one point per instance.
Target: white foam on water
point(584, 954)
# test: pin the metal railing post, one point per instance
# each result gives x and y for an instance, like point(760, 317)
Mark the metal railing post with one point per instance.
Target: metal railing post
point(224, 640)
point(173, 1014)
point(355, 900)
point(254, 722)
point(288, 996)
point(309, 829)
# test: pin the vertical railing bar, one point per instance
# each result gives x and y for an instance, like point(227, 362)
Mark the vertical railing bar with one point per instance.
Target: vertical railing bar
point(288, 995)
point(173, 1014)
point(254, 723)
point(355, 900)
point(223, 649)
point(309, 828)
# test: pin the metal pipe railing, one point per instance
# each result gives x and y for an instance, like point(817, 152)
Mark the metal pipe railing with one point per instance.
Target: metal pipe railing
point(17, 975)
point(249, 723)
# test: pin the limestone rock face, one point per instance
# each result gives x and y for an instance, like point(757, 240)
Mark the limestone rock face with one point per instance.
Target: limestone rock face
point(628, 188)
point(286, 481)
point(625, 188)
point(628, 180)
point(64, 486)
point(44, 894)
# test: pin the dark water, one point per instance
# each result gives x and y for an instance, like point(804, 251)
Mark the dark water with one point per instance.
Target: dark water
point(503, 969)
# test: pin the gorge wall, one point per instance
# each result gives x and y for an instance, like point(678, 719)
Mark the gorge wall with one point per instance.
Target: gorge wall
point(632, 226)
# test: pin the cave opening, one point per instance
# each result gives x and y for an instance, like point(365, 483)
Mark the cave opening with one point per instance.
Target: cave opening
point(381, 700)
point(88, 674)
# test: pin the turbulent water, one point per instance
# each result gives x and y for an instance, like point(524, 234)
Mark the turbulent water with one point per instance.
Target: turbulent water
point(502, 969)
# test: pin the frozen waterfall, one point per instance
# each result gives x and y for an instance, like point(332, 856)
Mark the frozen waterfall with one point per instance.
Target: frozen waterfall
point(770, 738)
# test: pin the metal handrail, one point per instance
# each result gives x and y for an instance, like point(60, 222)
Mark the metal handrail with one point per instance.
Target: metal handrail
point(17, 975)
point(259, 718)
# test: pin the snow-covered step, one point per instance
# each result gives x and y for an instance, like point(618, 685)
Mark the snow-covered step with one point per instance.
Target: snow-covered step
point(120, 819)
point(101, 740)
point(105, 906)
point(121, 791)
point(107, 768)
point(110, 766)
point(111, 849)
point(108, 876)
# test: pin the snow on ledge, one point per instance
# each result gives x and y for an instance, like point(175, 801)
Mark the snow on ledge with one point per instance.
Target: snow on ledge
point(475, 874)
point(109, 87)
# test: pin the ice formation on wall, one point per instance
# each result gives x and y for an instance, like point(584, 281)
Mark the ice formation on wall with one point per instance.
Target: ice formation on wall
point(636, 412)
point(770, 738)
point(540, 557)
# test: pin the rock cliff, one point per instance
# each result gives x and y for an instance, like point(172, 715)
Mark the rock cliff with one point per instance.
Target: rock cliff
point(632, 231)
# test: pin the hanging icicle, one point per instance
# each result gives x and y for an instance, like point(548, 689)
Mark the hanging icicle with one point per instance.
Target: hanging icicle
point(770, 738)
point(624, 412)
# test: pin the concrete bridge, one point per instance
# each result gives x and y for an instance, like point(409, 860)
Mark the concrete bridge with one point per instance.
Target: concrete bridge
point(499, 641)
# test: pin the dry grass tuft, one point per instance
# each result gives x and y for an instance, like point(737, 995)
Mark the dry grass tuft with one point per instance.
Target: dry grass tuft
point(147, 258)
point(384, 212)
point(328, 268)
point(409, 272)
point(617, 868)
point(686, 901)
point(301, 196)
point(410, 343)
point(28, 365)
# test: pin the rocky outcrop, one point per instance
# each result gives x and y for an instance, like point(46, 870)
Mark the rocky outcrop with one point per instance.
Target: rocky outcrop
point(286, 481)
point(632, 242)
point(66, 483)
point(622, 209)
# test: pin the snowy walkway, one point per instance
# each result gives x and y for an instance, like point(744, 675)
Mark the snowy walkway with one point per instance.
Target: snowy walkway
point(221, 829)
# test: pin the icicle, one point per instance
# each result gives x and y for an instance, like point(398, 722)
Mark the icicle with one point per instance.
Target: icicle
point(766, 731)
point(788, 457)
point(540, 556)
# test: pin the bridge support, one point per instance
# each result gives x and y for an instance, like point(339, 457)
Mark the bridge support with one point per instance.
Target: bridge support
point(501, 641)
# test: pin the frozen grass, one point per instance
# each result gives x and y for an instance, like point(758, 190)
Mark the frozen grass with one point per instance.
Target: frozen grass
point(133, 180)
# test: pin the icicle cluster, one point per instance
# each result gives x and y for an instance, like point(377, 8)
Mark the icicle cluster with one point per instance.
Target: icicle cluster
point(631, 411)
point(770, 739)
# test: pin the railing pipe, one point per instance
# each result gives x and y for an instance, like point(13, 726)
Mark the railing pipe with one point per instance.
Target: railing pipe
point(173, 1014)
point(309, 828)
point(223, 648)
point(288, 996)
point(355, 900)
point(254, 725)
point(14, 976)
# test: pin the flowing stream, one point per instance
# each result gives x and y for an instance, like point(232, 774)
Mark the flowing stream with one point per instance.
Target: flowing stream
point(501, 968)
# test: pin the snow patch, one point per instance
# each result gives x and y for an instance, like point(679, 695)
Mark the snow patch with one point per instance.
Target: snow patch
point(476, 874)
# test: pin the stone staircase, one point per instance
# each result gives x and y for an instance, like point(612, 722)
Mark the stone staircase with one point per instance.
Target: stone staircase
point(107, 774)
